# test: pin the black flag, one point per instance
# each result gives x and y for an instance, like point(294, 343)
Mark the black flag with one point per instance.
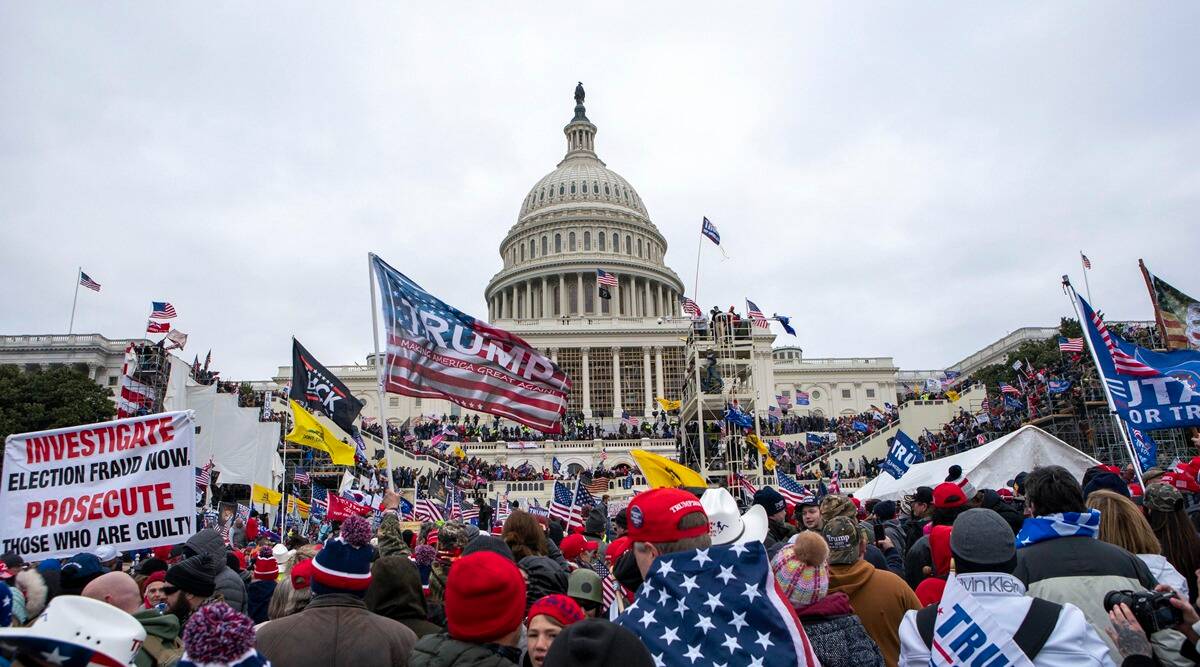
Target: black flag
point(317, 389)
point(604, 293)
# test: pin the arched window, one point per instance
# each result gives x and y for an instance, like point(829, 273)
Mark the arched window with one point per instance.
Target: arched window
point(587, 240)
point(616, 242)
point(606, 192)
point(561, 190)
point(558, 243)
point(600, 239)
point(522, 252)
point(571, 241)
point(545, 247)
point(628, 244)
point(572, 187)
point(595, 188)
point(532, 249)
point(639, 246)
point(542, 196)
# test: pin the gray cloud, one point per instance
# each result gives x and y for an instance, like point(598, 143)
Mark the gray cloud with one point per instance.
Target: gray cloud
point(904, 180)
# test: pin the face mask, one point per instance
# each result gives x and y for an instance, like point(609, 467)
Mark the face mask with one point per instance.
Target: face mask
point(626, 571)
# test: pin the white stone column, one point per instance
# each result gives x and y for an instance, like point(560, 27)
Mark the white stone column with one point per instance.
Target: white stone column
point(586, 372)
point(647, 304)
point(658, 365)
point(529, 298)
point(662, 301)
point(579, 292)
point(614, 304)
point(562, 294)
point(503, 296)
point(545, 294)
point(647, 389)
point(616, 362)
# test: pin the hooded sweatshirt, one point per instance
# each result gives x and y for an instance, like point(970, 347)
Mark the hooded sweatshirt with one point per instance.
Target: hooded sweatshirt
point(162, 645)
point(395, 592)
point(880, 599)
point(229, 584)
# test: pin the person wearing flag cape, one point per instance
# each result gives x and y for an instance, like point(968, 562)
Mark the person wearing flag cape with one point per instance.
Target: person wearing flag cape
point(985, 616)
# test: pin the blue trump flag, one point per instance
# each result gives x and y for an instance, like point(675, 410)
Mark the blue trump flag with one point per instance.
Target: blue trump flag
point(785, 322)
point(1058, 386)
point(739, 418)
point(1144, 446)
point(814, 439)
point(1011, 403)
point(1149, 390)
point(859, 426)
point(903, 454)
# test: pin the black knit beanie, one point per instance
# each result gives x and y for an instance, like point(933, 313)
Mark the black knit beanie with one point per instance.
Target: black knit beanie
point(193, 575)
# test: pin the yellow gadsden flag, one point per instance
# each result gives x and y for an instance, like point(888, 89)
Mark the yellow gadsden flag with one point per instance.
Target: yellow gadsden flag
point(662, 472)
point(261, 494)
point(669, 405)
point(309, 433)
point(952, 395)
point(758, 444)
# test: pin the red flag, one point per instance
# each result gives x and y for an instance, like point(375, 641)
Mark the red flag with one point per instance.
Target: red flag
point(341, 509)
point(157, 327)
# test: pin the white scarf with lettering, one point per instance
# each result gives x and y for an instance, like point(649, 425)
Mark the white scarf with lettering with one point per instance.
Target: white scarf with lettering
point(964, 633)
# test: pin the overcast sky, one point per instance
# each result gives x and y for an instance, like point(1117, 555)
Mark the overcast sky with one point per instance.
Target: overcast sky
point(903, 179)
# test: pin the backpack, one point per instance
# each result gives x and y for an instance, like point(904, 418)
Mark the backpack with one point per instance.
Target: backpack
point(1030, 637)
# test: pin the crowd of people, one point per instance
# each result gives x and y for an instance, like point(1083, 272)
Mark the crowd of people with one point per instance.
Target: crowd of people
point(1049, 569)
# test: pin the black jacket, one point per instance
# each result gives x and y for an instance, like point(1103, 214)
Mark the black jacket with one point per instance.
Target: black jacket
point(441, 651)
point(395, 592)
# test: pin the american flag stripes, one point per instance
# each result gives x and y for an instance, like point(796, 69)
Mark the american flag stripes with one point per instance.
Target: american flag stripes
point(690, 307)
point(320, 502)
point(86, 281)
point(598, 485)
point(756, 315)
point(161, 310)
point(605, 278)
point(1070, 344)
point(204, 475)
point(835, 482)
point(745, 485)
point(1087, 263)
point(631, 422)
point(1122, 361)
point(791, 490)
point(301, 476)
point(437, 351)
point(565, 507)
point(607, 583)
point(426, 508)
point(1009, 389)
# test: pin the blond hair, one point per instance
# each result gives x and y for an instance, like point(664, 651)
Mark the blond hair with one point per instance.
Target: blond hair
point(1122, 523)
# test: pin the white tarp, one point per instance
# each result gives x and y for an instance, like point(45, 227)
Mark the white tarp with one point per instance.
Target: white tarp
point(987, 467)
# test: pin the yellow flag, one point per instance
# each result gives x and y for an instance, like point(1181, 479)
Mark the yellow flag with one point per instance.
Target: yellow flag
point(952, 395)
point(309, 433)
point(261, 494)
point(669, 405)
point(458, 451)
point(661, 471)
point(758, 444)
point(769, 463)
point(294, 504)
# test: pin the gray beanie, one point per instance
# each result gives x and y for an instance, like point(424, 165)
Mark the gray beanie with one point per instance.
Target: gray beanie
point(982, 537)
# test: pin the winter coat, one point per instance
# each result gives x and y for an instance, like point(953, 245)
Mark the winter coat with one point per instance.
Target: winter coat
point(229, 584)
point(779, 531)
point(1073, 643)
point(1080, 570)
point(1007, 511)
point(914, 529)
point(1165, 573)
point(880, 599)
point(162, 647)
point(336, 630)
point(441, 651)
point(545, 578)
point(395, 592)
point(919, 557)
point(837, 635)
point(258, 599)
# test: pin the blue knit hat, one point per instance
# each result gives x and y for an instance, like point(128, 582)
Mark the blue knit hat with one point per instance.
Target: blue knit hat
point(343, 565)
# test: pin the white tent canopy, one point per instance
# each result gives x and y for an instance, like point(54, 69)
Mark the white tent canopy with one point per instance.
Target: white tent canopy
point(987, 467)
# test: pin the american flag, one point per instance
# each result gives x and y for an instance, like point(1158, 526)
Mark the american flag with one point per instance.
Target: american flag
point(791, 490)
point(598, 485)
point(709, 230)
point(86, 281)
point(161, 310)
point(563, 505)
point(605, 278)
point(204, 475)
point(607, 583)
point(756, 315)
point(301, 476)
point(631, 422)
point(1070, 344)
point(426, 508)
point(721, 605)
point(1009, 389)
point(690, 307)
point(1087, 263)
point(369, 421)
point(835, 482)
point(986, 405)
point(320, 500)
point(502, 507)
point(1122, 361)
point(483, 369)
point(744, 484)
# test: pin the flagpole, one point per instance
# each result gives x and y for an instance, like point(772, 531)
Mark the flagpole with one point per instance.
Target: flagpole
point(379, 370)
point(696, 280)
point(78, 277)
point(1158, 319)
point(1086, 284)
point(1137, 466)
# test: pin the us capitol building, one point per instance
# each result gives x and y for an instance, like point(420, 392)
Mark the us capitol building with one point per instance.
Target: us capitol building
point(621, 352)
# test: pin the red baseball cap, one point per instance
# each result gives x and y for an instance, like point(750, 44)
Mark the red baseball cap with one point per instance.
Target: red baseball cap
point(1005, 493)
point(616, 548)
point(654, 516)
point(948, 494)
point(574, 544)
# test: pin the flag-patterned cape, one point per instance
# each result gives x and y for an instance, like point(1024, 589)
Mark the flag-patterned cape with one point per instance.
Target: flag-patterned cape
point(717, 606)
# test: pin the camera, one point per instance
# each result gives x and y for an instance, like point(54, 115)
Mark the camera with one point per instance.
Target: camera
point(1152, 610)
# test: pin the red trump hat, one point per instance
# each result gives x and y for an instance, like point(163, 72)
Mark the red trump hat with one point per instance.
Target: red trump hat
point(654, 516)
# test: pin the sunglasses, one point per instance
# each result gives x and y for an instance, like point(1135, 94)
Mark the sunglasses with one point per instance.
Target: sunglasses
point(170, 590)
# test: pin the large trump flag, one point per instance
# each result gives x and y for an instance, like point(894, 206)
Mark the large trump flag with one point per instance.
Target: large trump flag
point(436, 351)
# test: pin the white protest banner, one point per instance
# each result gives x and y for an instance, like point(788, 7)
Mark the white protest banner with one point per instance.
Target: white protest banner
point(128, 483)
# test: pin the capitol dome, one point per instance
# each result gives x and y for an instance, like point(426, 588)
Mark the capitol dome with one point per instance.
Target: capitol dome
point(579, 218)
